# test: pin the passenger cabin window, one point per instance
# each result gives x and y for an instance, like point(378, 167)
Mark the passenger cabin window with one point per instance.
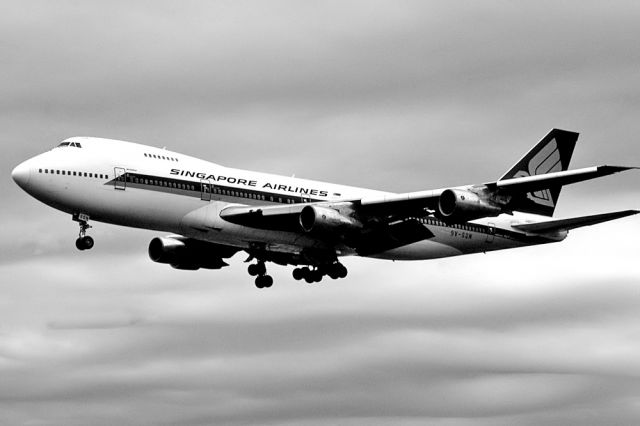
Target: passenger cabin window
point(159, 157)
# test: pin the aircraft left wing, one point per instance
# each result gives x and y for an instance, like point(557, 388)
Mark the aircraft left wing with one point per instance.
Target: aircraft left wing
point(333, 222)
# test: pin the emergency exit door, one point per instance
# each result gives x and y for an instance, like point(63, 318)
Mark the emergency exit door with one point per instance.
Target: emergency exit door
point(205, 190)
point(120, 181)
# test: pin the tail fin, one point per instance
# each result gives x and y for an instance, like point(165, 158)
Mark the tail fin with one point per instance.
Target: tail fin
point(551, 154)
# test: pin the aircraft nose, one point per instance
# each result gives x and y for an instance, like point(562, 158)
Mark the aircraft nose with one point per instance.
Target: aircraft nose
point(21, 174)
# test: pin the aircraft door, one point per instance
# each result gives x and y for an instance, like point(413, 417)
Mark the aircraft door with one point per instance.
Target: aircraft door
point(491, 232)
point(205, 190)
point(120, 181)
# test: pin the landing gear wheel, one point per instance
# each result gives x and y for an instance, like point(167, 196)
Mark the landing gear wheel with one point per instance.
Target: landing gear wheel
point(252, 270)
point(264, 281)
point(84, 243)
point(336, 270)
point(333, 272)
point(298, 274)
point(257, 269)
point(342, 270)
point(87, 242)
point(268, 281)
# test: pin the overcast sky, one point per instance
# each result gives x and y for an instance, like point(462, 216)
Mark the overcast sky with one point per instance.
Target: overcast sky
point(394, 95)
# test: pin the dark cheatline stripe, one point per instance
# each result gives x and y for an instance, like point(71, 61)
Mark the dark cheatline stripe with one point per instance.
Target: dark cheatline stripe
point(194, 189)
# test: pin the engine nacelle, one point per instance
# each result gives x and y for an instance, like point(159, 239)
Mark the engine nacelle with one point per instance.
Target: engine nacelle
point(166, 250)
point(458, 205)
point(185, 253)
point(325, 219)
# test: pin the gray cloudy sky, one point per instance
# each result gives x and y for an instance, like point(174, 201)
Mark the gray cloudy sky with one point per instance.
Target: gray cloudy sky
point(395, 95)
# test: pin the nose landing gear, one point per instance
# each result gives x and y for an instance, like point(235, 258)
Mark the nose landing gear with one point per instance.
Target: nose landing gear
point(84, 242)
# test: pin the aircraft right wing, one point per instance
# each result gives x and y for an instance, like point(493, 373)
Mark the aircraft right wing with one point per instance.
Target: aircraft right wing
point(415, 201)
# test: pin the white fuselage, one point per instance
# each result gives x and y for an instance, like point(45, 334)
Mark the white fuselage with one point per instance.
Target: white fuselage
point(171, 192)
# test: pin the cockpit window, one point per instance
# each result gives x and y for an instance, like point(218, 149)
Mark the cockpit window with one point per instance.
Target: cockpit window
point(73, 144)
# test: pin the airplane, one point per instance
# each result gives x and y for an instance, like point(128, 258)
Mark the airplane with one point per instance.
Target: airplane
point(212, 212)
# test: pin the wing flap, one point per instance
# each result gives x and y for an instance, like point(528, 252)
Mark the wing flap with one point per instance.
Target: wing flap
point(572, 223)
point(392, 236)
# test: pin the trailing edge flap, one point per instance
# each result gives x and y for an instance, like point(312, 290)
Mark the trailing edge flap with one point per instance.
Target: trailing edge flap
point(572, 223)
point(539, 182)
point(392, 236)
point(281, 218)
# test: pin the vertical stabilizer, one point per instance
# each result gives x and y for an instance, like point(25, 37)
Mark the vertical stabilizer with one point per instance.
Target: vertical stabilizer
point(551, 154)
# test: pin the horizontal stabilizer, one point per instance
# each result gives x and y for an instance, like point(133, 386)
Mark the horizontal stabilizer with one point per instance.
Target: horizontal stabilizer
point(538, 182)
point(572, 223)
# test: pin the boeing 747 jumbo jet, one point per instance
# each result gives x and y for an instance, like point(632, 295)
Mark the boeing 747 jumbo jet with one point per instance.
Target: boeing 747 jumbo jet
point(212, 212)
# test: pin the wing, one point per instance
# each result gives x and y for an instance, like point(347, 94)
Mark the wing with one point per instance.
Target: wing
point(532, 185)
point(377, 224)
point(406, 204)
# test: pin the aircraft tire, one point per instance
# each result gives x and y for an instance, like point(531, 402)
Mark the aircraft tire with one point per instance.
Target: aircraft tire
point(259, 281)
point(298, 274)
point(267, 281)
point(79, 244)
point(87, 242)
point(342, 271)
point(333, 272)
point(264, 281)
point(253, 270)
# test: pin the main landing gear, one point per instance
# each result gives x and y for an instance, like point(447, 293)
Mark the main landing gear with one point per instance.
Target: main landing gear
point(84, 242)
point(334, 271)
point(259, 270)
point(309, 274)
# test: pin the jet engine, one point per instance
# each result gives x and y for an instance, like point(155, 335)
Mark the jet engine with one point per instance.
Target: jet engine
point(185, 253)
point(325, 219)
point(458, 205)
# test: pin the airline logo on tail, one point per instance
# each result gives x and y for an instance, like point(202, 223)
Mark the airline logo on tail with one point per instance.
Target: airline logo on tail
point(547, 160)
